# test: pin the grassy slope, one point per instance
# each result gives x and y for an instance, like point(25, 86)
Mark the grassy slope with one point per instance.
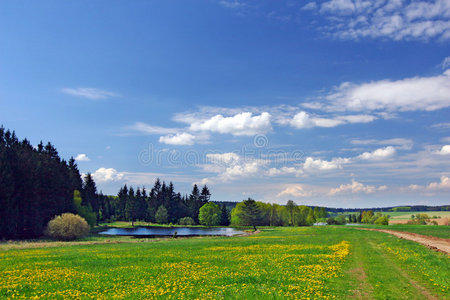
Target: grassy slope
point(323, 262)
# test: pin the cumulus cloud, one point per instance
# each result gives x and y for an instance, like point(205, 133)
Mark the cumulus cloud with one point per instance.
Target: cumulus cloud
point(445, 150)
point(305, 120)
point(242, 124)
point(418, 93)
point(324, 165)
point(356, 187)
point(397, 20)
point(295, 190)
point(284, 171)
point(444, 183)
point(89, 93)
point(178, 139)
point(107, 174)
point(378, 154)
point(231, 166)
point(82, 157)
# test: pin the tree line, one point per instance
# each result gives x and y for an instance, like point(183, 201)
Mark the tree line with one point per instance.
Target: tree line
point(256, 213)
point(161, 204)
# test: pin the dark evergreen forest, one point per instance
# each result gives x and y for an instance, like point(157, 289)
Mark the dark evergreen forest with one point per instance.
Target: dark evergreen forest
point(36, 184)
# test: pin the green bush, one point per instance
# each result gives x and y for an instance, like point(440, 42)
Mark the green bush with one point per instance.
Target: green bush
point(209, 214)
point(67, 227)
point(186, 221)
point(382, 221)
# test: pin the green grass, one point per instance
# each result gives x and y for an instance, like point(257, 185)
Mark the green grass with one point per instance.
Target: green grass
point(316, 262)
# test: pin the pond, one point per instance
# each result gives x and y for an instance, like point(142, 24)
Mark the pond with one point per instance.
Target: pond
point(169, 231)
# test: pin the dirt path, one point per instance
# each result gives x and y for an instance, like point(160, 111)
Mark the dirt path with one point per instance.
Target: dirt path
point(431, 242)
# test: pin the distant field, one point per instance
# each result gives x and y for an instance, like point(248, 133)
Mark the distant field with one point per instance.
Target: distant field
point(310, 262)
point(403, 216)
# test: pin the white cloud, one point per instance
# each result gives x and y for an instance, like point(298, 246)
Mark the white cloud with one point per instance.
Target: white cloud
point(239, 125)
point(149, 129)
point(399, 143)
point(295, 190)
point(178, 139)
point(378, 154)
point(305, 120)
point(445, 150)
point(356, 187)
point(441, 125)
point(233, 4)
point(446, 63)
point(310, 6)
point(284, 171)
point(90, 93)
point(312, 105)
point(443, 184)
point(82, 157)
point(396, 19)
point(231, 166)
point(357, 118)
point(418, 93)
point(414, 187)
point(324, 165)
point(107, 174)
point(223, 158)
point(343, 7)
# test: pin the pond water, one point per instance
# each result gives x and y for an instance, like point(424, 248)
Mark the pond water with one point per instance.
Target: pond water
point(168, 231)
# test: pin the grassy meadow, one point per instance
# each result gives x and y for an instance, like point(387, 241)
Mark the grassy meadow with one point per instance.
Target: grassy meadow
point(295, 263)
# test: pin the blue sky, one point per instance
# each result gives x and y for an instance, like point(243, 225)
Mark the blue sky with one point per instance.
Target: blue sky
point(344, 103)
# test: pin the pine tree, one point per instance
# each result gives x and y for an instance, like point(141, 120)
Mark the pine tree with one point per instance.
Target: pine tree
point(205, 195)
point(89, 194)
point(224, 216)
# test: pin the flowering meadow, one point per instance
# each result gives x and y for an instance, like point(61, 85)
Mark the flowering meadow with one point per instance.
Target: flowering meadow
point(278, 263)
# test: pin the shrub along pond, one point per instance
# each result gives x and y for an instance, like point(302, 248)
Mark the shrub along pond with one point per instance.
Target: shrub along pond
point(164, 231)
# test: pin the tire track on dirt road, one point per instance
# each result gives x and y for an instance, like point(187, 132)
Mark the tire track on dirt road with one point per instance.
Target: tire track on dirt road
point(435, 243)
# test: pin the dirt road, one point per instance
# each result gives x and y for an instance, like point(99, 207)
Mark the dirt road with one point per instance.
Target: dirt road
point(438, 244)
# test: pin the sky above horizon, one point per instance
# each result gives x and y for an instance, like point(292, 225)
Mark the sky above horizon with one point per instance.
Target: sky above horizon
point(340, 103)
